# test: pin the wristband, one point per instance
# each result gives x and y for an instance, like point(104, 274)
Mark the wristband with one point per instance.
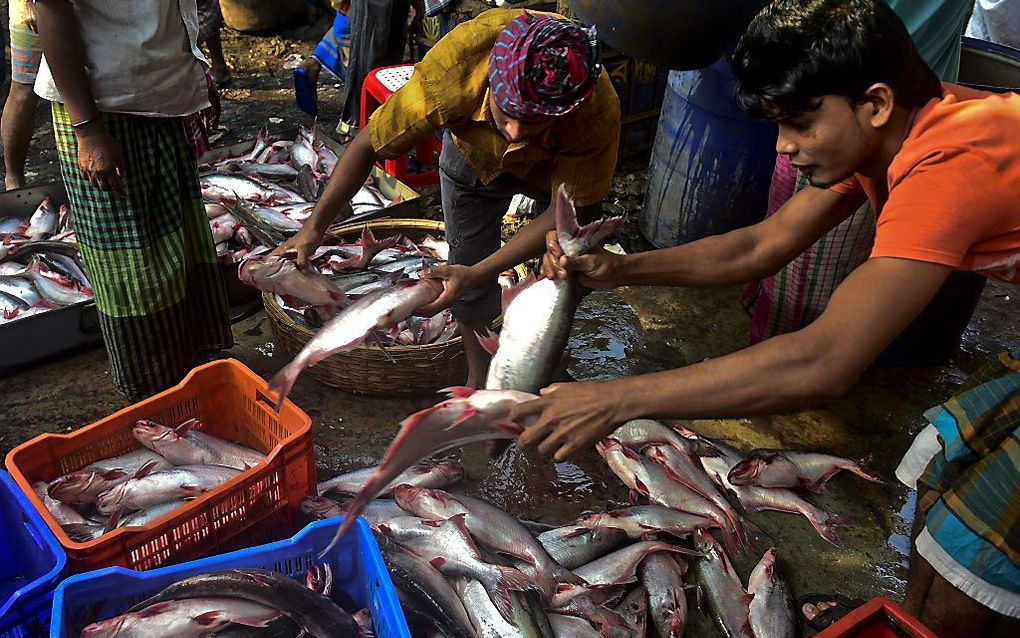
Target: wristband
point(84, 122)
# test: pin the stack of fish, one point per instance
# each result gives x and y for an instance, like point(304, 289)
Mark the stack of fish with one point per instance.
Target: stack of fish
point(244, 602)
point(174, 465)
point(40, 268)
point(262, 196)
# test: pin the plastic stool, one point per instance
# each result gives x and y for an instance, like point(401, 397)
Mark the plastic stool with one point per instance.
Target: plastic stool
point(378, 86)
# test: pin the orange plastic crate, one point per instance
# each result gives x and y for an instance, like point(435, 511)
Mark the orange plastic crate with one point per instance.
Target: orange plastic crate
point(259, 505)
point(877, 618)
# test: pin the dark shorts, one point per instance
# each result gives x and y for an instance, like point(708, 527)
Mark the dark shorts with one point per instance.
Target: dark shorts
point(473, 213)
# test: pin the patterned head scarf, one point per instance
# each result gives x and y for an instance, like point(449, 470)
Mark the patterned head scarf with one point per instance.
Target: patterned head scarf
point(542, 67)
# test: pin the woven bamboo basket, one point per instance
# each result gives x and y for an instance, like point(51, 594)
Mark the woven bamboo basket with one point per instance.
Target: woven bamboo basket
point(415, 369)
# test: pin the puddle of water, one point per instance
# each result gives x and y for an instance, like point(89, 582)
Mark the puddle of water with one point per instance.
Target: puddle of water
point(266, 349)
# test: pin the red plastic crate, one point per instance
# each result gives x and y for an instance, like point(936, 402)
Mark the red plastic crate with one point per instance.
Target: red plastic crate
point(877, 618)
point(259, 505)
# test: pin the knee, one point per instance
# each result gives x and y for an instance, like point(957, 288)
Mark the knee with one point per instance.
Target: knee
point(21, 95)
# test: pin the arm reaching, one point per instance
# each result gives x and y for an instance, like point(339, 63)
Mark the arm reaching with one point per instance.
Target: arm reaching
point(721, 260)
point(816, 364)
point(349, 176)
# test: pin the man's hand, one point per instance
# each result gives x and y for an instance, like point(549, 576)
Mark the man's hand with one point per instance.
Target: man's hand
point(597, 269)
point(100, 159)
point(457, 280)
point(304, 243)
point(570, 418)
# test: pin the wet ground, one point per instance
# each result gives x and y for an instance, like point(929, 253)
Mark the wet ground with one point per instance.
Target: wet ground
point(616, 333)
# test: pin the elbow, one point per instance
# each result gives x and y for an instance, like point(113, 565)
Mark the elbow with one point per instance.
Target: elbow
point(819, 375)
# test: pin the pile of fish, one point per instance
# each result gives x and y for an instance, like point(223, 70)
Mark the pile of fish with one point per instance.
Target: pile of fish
point(40, 268)
point(175, 465)
point(244, 602)
point(261, 197)
point(466, 568)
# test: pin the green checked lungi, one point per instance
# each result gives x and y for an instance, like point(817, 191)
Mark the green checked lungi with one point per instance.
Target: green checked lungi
point(149, 255)
point(966, 467)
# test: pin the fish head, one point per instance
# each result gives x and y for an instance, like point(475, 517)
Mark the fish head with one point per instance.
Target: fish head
point(746, 471)
point(421, 500)
point(69, 487)
point(109, 501)
point(106, 628)
point(320, 506)
point(703, 541)
point(151, 434)
point(260, 268)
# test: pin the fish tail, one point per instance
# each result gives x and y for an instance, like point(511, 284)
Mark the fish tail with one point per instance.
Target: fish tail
point(858, 469)
point(80, 532)
point(284, 380)
point(826, 527)
point(345, 525)
point(563, 575)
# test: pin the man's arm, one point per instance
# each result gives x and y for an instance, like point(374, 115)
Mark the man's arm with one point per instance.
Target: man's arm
point(526, 244)
point(818, 363)
point(347, 179)
point(99, 155)
point(721, 260)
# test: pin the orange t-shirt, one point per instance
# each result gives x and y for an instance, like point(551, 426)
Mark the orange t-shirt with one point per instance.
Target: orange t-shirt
point(954, 186)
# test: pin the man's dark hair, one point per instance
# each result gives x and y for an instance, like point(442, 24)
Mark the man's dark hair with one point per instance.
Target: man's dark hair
point(796, 51)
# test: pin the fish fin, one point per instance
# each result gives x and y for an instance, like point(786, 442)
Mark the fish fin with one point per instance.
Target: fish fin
point(516, 580)
point(489, 342)
point(438, 562)
point(257, 620)
point(859, 470)
point(146, 469)
point(511, 428)
point(283, 381)
point(458, 391)
point(469, 413)
point(114, 521)
point(578, 531)
point(509, 294)
point(345, 526)
point(634, 497)
point(113, 475)
point(415, 419)
point(209, 618)
point(642, 489)
point(79, 532)
point(827, 528)
point(564, 575)
point(187, 426)
point(576, 240)
point(500, 598)
point(190, 492)
point(155, 610)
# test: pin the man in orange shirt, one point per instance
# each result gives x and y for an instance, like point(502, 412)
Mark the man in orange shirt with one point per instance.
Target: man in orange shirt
point(862, 115)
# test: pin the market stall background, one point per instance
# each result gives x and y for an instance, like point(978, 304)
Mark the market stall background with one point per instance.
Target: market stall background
point(616, 333)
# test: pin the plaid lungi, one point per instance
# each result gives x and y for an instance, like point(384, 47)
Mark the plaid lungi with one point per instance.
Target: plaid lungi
point(966, 467)
point(798, 294)
point(26, 54)
point(210, 19)
point(149, 255)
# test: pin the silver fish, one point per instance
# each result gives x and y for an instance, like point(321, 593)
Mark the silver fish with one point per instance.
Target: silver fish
point(55, 288)
point(62, 512)
point(275, 219)
point(278, 275)
point(43, 222)
point(756, 499)
point(353, 325)
point(634, 610)
point(184, 445)
point(618, 568)
point(86, 484)
point(786, 468)
point(493, 528)
point(649, 479)
point(11, 307)
point(68, 266)
point(187, 618)
point(219, 187)
point(591, 606)
point(21, 289)
point(440, 475)
point(272, 171)
point(84, 532)
point(574, 546)
point(468, 416)
point(771, 608)
point(185, 481)
point(448, 547)
point(646, 519)
point(727, 600)
point(572, 627)
point(370, 247)
point(12, 226)
point(663, 577)
point(376, 512)
point(536, 322)
point(642, 433)
point(302, 154)
point(427, 590)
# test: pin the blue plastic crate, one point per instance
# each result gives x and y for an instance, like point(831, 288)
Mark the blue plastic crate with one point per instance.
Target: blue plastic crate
point(31, 563)
point(357, 565)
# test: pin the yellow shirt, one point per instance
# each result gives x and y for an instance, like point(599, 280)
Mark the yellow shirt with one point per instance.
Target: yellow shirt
point(450, 89)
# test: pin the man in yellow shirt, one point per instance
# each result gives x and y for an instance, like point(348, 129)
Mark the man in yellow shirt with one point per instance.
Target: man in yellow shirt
point(525, 107)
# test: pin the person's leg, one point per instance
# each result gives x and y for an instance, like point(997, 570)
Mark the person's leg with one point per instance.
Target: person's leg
point(919, 573)
point(17, 124)
point(950, 613)
point(472, 213)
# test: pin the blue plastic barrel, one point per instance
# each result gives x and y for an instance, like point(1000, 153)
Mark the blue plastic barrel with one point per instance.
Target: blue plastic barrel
point(711, 165)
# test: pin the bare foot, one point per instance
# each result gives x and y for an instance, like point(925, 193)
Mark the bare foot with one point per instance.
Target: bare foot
point(14, 181)
point(221, 75)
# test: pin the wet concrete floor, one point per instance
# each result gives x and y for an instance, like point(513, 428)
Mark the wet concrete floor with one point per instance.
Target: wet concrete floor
point(617, 333)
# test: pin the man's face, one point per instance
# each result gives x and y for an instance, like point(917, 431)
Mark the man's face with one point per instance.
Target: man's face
point(515, 130)
point(831, 142)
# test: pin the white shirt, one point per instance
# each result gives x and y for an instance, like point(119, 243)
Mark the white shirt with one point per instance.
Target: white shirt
point(142, 57)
